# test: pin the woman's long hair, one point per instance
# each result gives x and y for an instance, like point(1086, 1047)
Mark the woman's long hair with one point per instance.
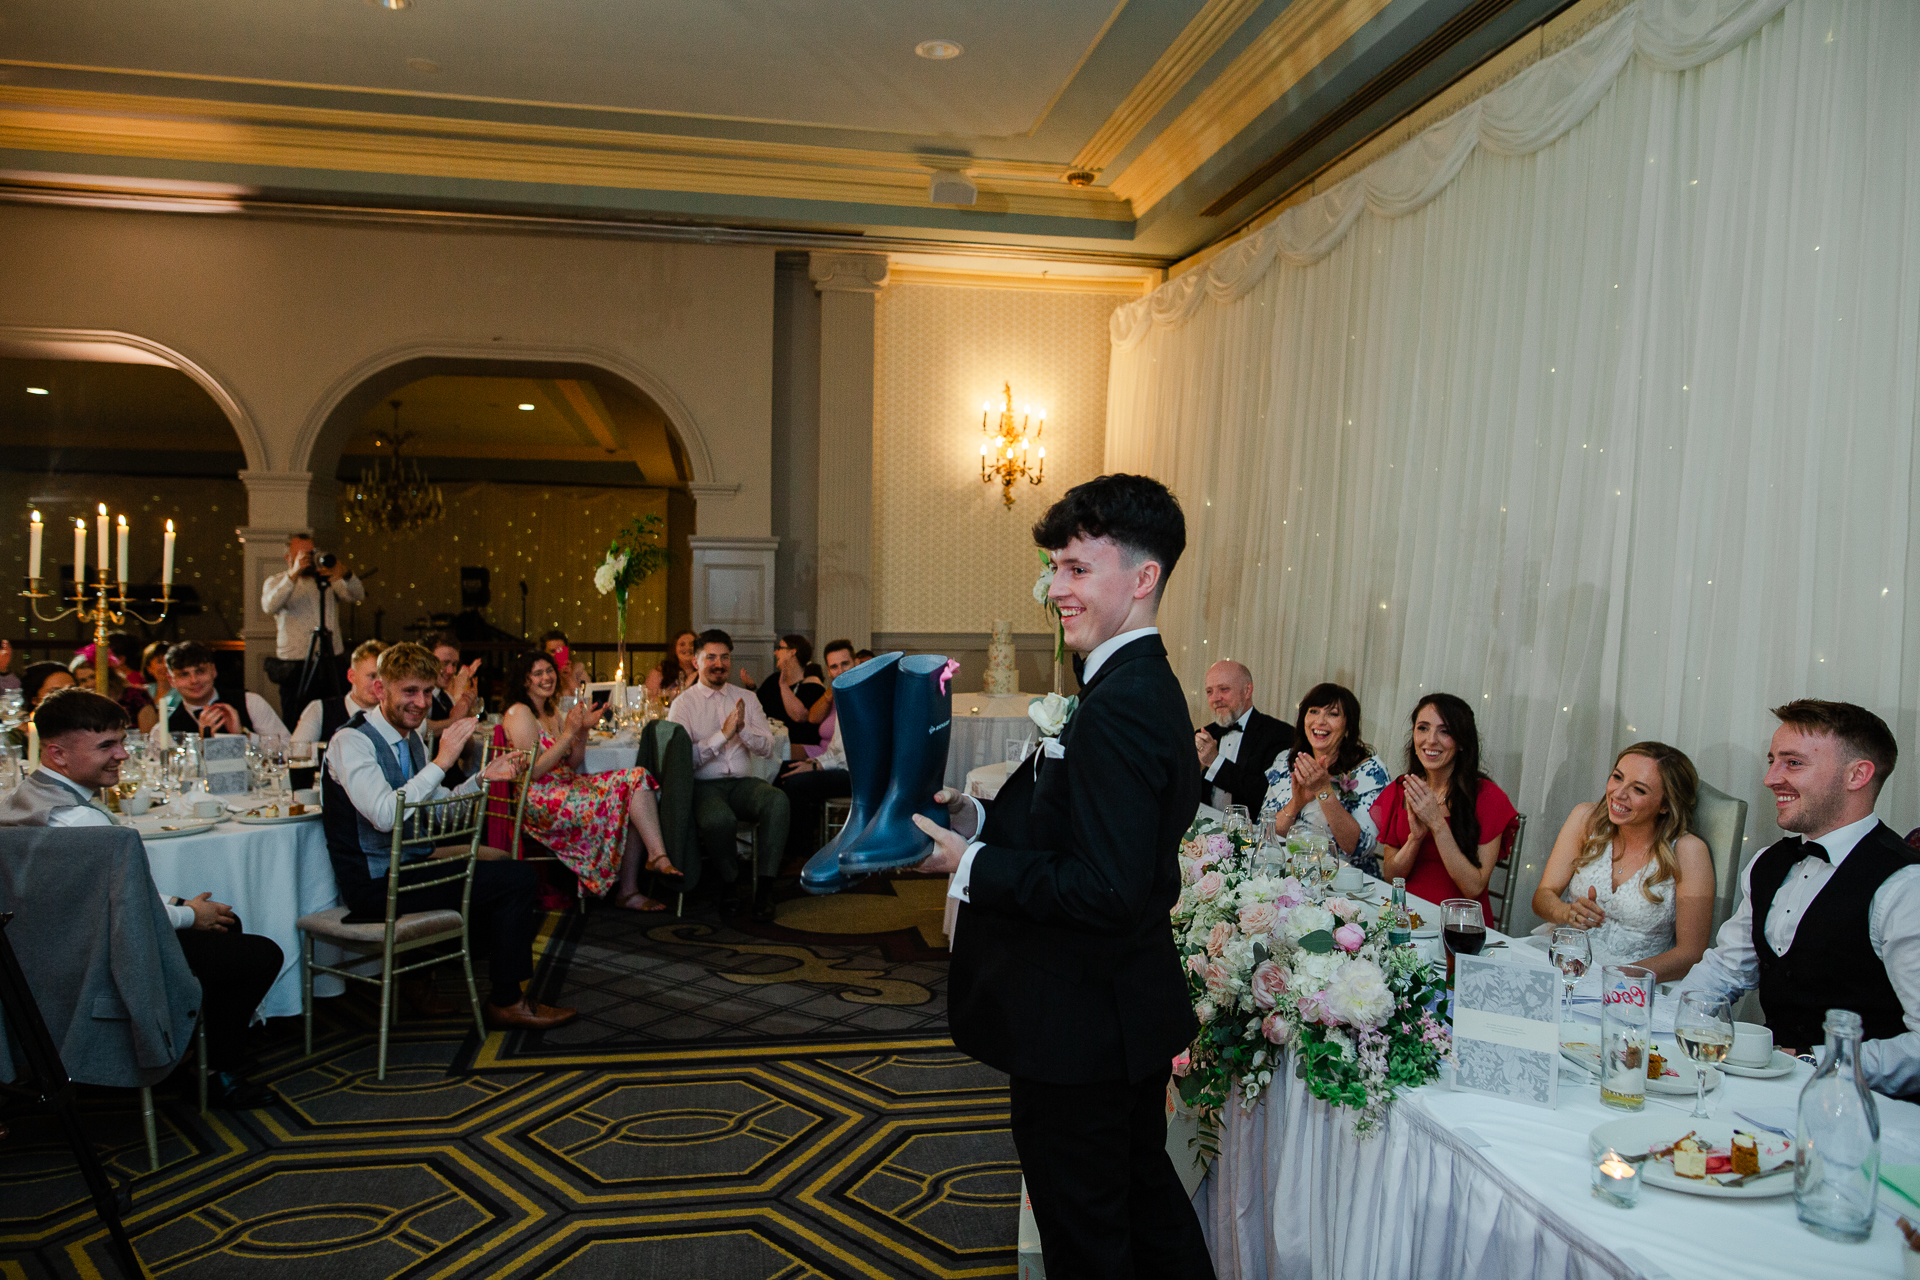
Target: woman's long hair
point(670, 668)
point(1353, 749)
point(1463, 788)
point(517, 676)
point(1680, 786)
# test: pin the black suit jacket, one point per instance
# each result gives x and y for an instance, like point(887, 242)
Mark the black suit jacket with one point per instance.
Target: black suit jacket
point(1064, 968)
point(1245, 779)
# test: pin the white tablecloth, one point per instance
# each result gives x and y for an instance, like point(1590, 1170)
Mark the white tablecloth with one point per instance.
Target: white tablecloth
point(981, 727)
point(623, 752)
point(270, 876)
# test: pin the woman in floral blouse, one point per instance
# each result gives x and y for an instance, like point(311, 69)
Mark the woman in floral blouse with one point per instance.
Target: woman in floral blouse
point(1327, 781)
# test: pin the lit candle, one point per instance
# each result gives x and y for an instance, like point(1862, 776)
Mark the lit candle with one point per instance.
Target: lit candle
point(104, 548)
point(123, 551)
point(166, 562)
point(79, 552)
point(34, 530)
point(33, 745)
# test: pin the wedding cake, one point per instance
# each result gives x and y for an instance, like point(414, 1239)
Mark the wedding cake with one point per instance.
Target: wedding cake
point(1002, 675)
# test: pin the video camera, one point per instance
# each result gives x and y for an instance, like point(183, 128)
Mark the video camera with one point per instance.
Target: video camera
point(321, 560)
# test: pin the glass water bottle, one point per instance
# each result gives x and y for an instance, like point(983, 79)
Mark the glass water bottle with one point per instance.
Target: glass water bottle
point(1836, 1174)
point(1399, 924)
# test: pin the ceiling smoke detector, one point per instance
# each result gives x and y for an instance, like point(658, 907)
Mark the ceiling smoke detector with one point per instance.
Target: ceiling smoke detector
point(944, 187)
point(1080, 177)
point(938, 50)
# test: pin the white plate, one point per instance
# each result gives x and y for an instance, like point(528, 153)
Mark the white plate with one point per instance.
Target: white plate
point(1782, 1064)
point(252, 820)
point(1634, 1134)
point(168, 828)
point(1586, 1054)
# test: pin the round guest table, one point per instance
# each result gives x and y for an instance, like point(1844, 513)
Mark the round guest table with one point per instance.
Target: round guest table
point(982, 723)
point(270, 876)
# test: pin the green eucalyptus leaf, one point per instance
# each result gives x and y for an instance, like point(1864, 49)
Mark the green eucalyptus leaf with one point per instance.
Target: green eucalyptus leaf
point(1318, 943)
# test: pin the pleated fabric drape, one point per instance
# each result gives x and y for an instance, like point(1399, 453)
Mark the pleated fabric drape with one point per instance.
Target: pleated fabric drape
point(1594, 405)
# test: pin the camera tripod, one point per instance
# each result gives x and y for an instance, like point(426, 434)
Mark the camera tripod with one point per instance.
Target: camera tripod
point(320, 670)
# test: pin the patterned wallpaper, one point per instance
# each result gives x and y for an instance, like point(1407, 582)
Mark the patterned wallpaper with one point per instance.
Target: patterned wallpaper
point(947, 555)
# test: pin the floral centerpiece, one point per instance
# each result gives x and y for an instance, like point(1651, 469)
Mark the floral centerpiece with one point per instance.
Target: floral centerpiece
point(636, 553)
point(1272, 972)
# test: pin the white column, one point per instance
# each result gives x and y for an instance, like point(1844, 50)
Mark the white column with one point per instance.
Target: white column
point(732, 589)
point(847, 284)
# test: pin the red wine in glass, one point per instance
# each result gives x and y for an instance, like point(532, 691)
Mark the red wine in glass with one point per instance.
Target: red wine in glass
point(1465, 939)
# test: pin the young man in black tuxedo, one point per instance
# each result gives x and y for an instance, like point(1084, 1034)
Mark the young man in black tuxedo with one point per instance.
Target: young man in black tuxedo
point(1829, 918)
point(1237, 747)
point(1065, 974)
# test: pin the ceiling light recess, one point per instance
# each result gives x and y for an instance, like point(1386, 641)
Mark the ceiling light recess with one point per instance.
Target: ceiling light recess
point(527, 407)
point(938, 50)
point(37, 391)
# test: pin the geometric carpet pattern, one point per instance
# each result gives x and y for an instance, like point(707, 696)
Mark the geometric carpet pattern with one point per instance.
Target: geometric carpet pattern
point(811, 1120)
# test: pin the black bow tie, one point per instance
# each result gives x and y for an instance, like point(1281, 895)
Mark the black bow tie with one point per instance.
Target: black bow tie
point(1814, 849)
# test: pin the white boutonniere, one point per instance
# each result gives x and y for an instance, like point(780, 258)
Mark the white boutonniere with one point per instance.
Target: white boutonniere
point(1052, 712)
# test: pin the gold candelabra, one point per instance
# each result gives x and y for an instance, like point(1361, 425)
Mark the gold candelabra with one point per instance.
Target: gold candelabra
point(109, 609)
point(1006, 453)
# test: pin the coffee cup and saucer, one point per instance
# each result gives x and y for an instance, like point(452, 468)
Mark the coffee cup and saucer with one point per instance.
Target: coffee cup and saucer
point(1753, 1054)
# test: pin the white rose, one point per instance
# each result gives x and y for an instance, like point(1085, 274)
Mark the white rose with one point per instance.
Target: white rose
point(603, 577)
point(1041, 584)
point(1359, 995)
point(1050, 713)
point(1308, 918)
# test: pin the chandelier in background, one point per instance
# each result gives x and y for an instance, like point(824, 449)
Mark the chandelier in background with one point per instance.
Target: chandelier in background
point(1007, 453)
point(394, 494)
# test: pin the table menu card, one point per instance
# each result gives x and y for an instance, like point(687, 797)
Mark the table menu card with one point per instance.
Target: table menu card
point(223, 761)
point(1506, 1028)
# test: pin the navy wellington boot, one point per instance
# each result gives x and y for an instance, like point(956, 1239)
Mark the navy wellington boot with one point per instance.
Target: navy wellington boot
point(922, 724)
point(863, 699)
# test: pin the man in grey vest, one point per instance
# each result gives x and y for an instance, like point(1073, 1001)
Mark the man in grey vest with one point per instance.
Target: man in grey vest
point(82, 742)
point(377, 756)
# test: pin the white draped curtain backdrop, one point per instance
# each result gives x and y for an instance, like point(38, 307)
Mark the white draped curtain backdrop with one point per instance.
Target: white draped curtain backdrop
point(1595, 405)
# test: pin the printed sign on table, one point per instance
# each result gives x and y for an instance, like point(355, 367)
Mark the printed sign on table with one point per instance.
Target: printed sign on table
point(1506, 1028)
point(223, 761)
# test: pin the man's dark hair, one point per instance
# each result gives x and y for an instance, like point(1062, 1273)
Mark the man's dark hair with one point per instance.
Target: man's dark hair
point(802, 648)
point(445, 640)
point(78, 710)
point(835, 646)
point(863, 655)
point(713, 636)
point(189, 653)
point(555, 634)
point(1139, 513)
point(1864, 734)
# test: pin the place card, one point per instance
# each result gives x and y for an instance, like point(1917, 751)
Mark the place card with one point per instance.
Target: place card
point(223, 762)
point(1506, 1028)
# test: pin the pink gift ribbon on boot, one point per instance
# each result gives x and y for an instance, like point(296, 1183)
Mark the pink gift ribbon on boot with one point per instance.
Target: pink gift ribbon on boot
point(946, 673)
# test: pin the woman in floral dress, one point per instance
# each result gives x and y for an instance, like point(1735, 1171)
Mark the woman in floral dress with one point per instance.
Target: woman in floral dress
point(1327, 781)
point(589, 820)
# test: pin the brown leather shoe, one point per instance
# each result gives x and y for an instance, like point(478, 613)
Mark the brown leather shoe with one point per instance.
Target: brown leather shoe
point(527, 1016)
point(424, 1002)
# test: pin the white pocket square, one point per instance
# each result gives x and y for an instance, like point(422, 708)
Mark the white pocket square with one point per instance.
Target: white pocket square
point(1055, 749)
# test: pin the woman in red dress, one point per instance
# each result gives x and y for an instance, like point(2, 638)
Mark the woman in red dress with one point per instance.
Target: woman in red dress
point(1443, 823)
point(589, 820)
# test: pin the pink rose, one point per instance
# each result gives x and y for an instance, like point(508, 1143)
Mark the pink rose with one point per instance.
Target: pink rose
point(1313, 1008)
point(1258, 919)
point(1346, 908)
point(1197, 962)
point(1219, 980)
point(1210, 885)
point(1269, 984)
point(1218, 846)
point(1291, 895)
point(1218, 937)
point(1276, 1029)
point(1348, 937)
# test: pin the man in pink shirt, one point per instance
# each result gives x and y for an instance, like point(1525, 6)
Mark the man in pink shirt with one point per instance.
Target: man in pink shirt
point(728, 728)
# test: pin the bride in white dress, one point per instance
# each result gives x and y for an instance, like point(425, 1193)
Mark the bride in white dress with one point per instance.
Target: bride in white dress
point(1626, 869)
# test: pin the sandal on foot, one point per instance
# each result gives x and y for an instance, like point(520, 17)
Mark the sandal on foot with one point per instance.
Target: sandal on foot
point(663, 866)
point(638, 902)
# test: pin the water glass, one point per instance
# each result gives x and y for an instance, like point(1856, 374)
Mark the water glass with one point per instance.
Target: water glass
point(1626, 1034)
point(1572, 953)
point(1703, 1027)
point(1236, 820)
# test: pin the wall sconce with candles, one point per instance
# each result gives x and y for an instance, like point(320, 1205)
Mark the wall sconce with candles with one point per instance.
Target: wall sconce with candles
point(108, 609)
point(1007, 453)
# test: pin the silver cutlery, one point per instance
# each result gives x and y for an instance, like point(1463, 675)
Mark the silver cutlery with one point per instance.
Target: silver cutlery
point(1745, 1178)
point(1760, 1125)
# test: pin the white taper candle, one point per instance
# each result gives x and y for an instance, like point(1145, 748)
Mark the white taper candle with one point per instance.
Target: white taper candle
point(123, 551)
point(79, 552)
point(166, 563)
point(105, 550)
point(34, 530)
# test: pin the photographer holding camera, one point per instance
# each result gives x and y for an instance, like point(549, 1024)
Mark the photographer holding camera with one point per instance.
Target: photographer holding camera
point(312, 589)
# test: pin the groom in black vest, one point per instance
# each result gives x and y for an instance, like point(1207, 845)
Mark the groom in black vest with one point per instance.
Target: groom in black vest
point(1065, 974)
point(1830, 916)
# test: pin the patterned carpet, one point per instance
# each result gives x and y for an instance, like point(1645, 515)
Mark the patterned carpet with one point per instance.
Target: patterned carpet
point(737, 1101)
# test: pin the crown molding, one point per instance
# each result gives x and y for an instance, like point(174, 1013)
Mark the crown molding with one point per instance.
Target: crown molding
point(1299, 40)
point(145, 127)
point(1210, 28)
point(847, 272)
point(948, 277)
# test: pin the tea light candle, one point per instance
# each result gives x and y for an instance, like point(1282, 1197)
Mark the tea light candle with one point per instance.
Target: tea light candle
point(166, 560)
point(123, 552)
point(1615, 1179)
point(34, 530)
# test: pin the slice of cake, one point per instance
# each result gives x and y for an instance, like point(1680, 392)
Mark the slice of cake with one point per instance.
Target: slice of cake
point(1656, 1066)
point(1746, 1153)
point(1689, 1159)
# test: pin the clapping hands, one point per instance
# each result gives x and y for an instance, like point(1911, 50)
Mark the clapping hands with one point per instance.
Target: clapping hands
point(462, 680)
point(505, 768)
point(1425, 811)
point(736, 719)
point(219, 718)
point(1309, 775)
point(582, 718)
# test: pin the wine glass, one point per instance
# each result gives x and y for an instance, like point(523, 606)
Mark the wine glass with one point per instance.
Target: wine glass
point(1703, 1026)
point(1463, 927)
point(1572, 954)
point(1236, 819)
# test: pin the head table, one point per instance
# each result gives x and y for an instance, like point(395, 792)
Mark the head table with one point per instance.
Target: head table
point(1469, 1186)
point(270, 876)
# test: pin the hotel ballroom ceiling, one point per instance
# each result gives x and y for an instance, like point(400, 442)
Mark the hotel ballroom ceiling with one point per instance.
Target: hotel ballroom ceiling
point(800, 121)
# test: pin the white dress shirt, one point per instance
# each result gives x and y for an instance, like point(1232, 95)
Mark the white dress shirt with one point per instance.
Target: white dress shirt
point(962, 874)
point(265, 722)
point(91, 815)
point(1229, 744)
point(351, 762)
point(314, 717)
point(1732, 967)
point(294, 605)
point(703, 713)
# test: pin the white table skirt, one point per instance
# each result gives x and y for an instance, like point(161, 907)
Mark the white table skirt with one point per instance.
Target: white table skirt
point(1461, 1185)
point(270, 876)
